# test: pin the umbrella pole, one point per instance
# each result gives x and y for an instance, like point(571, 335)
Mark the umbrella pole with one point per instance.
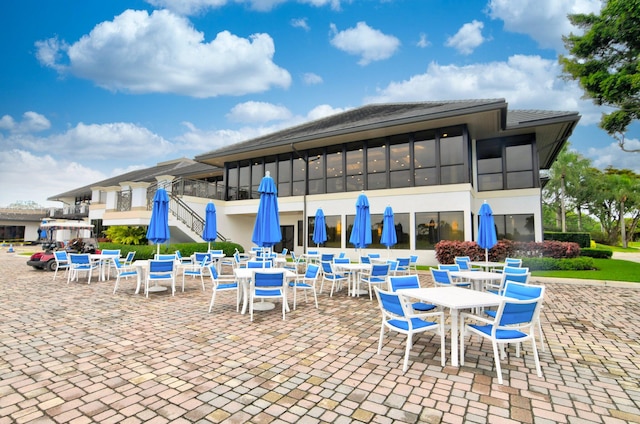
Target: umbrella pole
point(486, 255)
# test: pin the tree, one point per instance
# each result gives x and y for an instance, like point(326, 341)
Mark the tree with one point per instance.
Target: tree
point(606, 62)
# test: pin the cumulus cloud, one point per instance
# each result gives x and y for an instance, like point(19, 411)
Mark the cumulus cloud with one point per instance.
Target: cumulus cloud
point(526, 82)
point(300, 23)
point(194, 7)
point(423, 42)
point(468, 37)
point(322, 111)
point(258, 112)
point(310, 78)
point(612, 155)
point(31, 122)
point(34, 177)
point(543, 20)
point(368, 43)
point(163, 53)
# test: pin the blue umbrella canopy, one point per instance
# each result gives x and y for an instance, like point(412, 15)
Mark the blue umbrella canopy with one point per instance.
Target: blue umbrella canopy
point(158, 230)
point(389, 237)
point(319, 228)
point(361, 231)
point(266, 231)
point(210, 231)
point(487, 237)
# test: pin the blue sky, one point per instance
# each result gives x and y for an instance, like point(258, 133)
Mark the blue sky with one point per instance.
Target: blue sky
point(92, 89)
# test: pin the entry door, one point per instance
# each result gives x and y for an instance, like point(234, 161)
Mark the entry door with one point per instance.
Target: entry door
point(287, 238)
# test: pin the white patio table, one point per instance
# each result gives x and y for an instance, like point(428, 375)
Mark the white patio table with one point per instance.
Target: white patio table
point(244, 276)
point(476, 278)
point(354, 269)
point(104, 260)
point(456, 299)
point(487, 265)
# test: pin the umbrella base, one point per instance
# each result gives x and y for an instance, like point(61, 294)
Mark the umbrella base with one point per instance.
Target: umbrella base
point(155, 289)
point(263, 306)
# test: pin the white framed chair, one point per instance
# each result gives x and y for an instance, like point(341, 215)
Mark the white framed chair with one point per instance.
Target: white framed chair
point(123, 271)
point(269, 285)
point(161, 271)
point(128, 260)
point(409, 282)
point(62, 262)
point(518, 275)
point(165, 257)
point(464, 262)
point(403, 267)
point(258, 264)
point(223, 283)
point(182, 259)
point(306, 282)
point(413, 264)
point(376, 276)
point(442, 278)
point(81, 262)
point(295, 264)
point(398, 316)
point(393, 266)
point(514, 322)
point(196, 269)
point(108, 260)
point(330, 275)
point(449, 267)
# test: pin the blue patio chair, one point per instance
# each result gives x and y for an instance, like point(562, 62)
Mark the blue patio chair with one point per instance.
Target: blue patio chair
point(329, 274)
point(376, 276)
point(258, 264)
point(223, 283)
point(398, 316)
point(442, 278)
point(123, 271)
point(196, 269)
point(464, 263)
point(449, 267)
point(81, 262)
point(62, 262)
point(129, 259)
point(161, 270)
point(518, 275)
point(267, 286)
point(409, 282)
point(403, 266)
point(326, 257)
point(514, 322)
point(413, 264)
point(306, 282)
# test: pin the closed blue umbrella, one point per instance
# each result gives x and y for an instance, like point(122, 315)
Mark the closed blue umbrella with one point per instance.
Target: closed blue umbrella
point(319, 228)
point(158, 230)
point(210, 231)
point(266, 231)
point(487, 237)
point(361, 232)
point(389, 237)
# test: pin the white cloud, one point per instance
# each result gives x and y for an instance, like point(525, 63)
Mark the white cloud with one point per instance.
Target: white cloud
point(163, 53)
point(526, 82)
point(468, 37)
point(368, 43)
point(310, 78)
point(31, 122)
point(612, 155)
point(193, 7)
point(543, 20)
point(30, 177)
point(300, 23)
point(423, 42)
point(322, 111)
point(258, 112)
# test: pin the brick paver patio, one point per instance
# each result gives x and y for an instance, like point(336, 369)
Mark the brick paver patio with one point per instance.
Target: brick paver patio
point(78, 354)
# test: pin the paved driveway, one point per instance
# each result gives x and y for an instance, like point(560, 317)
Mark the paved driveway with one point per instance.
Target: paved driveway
point(76, 353)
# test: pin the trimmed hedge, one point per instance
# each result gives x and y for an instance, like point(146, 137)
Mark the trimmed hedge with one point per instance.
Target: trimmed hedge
point(186, 249)
point(583, 239)
point(447, 250)
point(597, 253)
point(551, 264)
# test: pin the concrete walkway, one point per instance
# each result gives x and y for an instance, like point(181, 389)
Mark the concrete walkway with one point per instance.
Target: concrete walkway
point(79, 354)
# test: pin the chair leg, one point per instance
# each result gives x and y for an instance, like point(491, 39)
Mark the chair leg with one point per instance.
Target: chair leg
point(213, 299)
point(406, 352)
point(497, 360)
point(381, 338)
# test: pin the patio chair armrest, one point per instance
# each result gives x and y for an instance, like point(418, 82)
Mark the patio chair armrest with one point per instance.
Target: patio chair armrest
point(475, 317)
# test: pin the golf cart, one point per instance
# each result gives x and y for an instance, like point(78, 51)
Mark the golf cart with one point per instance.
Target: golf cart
point(45, 259)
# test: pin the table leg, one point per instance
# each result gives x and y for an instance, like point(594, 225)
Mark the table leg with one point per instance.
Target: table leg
point(454, 337)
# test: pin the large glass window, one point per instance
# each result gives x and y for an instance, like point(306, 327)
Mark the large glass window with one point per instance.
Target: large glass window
point(299, 176)
point(399, 162)
point(506, 164)
point(232, 182)
point(335, 170)
point(316, 170)
point(518, 227)
point(453, 151)
point(376, 164)
point(431, 227)
point(334, 231)
point(284, 175)
point(244, 180)
point(424, 159)
point(355, 167)
point(257, 172)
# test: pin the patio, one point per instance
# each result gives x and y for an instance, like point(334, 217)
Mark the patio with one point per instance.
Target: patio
point(76, 353)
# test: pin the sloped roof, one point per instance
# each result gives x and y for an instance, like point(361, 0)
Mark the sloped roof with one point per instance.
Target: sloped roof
point(180, 168)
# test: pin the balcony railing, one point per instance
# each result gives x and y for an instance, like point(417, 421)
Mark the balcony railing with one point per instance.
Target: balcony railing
point(123, 201)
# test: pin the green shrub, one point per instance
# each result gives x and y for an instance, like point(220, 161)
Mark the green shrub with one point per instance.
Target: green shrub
point(583, 239)
point(596, 253)
point(186, 249)
point(551, 264)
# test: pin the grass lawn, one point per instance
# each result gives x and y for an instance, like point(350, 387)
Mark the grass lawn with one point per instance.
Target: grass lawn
point(633, 247)
point(608, 269)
